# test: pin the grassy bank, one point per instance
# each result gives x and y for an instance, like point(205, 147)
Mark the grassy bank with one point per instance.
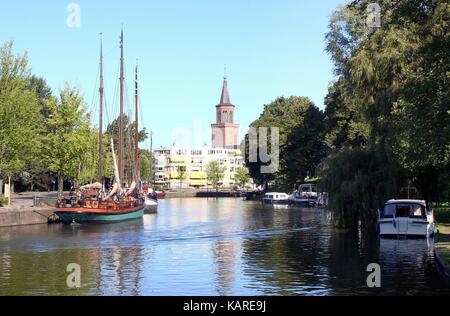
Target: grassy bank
point(442, 213)
point(442, 217)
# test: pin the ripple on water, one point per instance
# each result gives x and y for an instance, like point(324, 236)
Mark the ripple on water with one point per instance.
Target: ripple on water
point(212, 247)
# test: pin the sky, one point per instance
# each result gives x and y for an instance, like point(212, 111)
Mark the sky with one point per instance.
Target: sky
point(270, 49)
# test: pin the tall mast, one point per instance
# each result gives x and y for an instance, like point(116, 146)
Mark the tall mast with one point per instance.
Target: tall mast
point(100, 128)
point(136, 141)
point(121, 109)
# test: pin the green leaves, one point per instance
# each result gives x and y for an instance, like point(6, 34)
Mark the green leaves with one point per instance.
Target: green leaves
point(69, 143)
point(19, 114)
point(387, 114)
point(301, 145)
point(242, 176)
point(215, 172)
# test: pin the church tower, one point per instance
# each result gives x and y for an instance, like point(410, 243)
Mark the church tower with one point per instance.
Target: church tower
point(225, 133)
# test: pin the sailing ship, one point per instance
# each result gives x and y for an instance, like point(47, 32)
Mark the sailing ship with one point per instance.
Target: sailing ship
point(124, 201)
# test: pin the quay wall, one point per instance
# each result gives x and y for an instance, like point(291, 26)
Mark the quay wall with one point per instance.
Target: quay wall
point(202, 194)
point(24, 216)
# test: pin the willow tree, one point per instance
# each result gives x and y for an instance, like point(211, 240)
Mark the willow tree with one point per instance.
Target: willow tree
point(393, 84)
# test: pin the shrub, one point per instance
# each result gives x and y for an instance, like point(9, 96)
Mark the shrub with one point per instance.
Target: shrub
point(3, 201)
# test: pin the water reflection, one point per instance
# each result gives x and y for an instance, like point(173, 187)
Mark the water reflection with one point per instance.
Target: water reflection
point(213, 247)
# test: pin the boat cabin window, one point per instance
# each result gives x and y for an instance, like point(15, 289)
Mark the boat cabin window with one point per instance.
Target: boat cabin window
point(306, 188)
point(403, 210)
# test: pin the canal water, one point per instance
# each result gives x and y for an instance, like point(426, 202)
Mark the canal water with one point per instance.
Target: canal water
point(213, 247)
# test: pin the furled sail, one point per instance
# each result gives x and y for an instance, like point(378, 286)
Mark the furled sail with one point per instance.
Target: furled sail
point(116, 187)
point(96, 185)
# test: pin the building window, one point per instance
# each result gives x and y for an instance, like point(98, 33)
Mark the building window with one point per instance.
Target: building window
point(224, 117)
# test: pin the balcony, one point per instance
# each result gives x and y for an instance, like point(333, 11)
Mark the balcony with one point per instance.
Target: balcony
point(198, 175)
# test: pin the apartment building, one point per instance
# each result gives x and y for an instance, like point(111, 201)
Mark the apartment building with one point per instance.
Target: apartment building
point(167, 162)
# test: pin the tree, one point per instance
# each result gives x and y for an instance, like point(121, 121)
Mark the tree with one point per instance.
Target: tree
point(393, 89)
point(181, 175)
point(301, 146)
point(20, 119)
point(242, 176)
point(145, 165)
point(345, 124)
point(215, 173)
point(70, 137)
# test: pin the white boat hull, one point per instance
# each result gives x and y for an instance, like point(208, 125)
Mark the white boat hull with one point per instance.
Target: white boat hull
point(406, 227)
point(150, 202)
point(273, 201)
point(150, 206)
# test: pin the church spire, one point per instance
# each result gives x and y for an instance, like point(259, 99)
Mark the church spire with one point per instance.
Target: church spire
point(225, 97)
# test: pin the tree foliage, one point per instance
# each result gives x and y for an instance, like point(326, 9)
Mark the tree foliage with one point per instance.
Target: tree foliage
point(215, 173)
point(242, 177)
point(145, 166)
point(68, 144)
point(20, 119)
point(301, 145)
point(387, 119)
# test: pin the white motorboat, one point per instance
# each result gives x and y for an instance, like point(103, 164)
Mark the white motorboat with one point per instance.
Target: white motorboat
point(151, 203)
point(276, 198)
point(305, 195)
point(406, 218)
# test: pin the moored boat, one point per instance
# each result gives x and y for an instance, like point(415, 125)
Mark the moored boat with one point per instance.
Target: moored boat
point(151, 204)
point(105, 213)
point(276, 198)
point(305, 195)
point(406, 218)
point(160, 194)
point(125, 200)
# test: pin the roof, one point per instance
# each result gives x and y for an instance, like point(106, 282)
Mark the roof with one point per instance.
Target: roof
point(225, 97)
point(393, 201)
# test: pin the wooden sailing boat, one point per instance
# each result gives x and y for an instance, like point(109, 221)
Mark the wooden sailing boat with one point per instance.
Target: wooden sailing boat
point(120, 204)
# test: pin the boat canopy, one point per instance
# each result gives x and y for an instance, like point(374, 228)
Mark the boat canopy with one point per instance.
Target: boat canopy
point(404, 208)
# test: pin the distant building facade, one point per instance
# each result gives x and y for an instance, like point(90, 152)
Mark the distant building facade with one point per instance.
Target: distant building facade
point(167, 162)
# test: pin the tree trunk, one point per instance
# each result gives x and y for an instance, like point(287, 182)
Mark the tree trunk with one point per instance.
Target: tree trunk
point(60, 185)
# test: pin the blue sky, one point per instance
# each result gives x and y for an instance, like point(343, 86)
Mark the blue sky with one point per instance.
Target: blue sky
point(271, 49)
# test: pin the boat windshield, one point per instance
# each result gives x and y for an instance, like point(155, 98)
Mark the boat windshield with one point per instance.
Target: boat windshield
point(403, 210)
point(308, 188)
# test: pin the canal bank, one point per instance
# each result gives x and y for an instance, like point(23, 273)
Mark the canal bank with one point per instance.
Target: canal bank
point(24, 216)
point(22, 211)
point(442, 251)
point(203, 194)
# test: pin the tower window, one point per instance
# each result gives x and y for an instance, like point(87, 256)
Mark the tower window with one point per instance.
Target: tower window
point(224, 117)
